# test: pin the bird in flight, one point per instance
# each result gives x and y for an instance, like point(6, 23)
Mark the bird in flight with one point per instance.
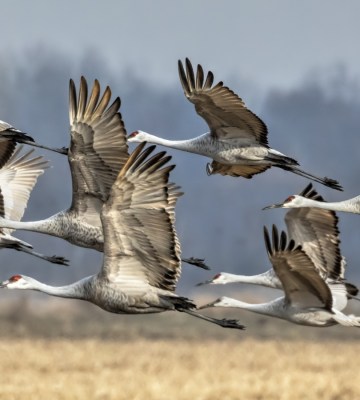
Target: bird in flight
point(237, 140)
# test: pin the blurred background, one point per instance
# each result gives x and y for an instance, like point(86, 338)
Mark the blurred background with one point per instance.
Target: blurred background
point(295, 64)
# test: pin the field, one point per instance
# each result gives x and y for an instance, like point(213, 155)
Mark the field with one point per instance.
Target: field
point(168, 369)
point(72, 350)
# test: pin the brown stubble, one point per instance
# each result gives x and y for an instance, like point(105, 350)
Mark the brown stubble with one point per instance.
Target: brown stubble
point(178, 370)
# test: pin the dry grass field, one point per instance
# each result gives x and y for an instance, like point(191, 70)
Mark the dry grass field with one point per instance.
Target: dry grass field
point(178, 370)
point(57, 350)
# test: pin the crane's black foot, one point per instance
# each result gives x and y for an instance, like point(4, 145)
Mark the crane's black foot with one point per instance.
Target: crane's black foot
point(63, 150)
point(209, 169)
point(231, 323)
point(57, 260)
point(333, 184)
point(198, 262)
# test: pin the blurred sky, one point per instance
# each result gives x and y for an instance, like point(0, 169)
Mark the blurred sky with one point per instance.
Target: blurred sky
point(296, 64)
point(273, 43)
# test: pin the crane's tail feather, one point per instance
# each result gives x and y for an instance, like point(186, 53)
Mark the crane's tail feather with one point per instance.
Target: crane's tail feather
point(332, 183)
point(280, 159)
point(198, 262)
point(352, 297)
point(351, 290)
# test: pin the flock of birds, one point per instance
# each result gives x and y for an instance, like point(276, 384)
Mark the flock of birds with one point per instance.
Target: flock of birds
point(123, 204)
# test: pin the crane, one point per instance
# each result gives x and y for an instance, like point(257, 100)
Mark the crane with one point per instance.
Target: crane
point(18, 177)
point(237, 141)
point(308, 300)
point(141, 263)
point(316, 230)
point(98, 150)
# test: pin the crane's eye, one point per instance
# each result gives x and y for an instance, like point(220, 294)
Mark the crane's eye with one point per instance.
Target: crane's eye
point(216, 276)
point(15, 278)
point(290, 198)
point(133, 134)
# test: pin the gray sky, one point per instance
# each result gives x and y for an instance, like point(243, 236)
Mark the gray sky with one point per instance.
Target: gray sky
point(272, 43)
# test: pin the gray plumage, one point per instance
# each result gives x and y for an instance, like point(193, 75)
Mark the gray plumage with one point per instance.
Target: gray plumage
point(316, 230)
point(237, 141)
point(98, 150)
point(18, 177)
point(296, 201)
point(141, 264)
point(308, 299)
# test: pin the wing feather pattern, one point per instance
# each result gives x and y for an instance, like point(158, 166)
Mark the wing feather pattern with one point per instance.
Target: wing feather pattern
point(141, 245)
point(317, 231)
point(223, 110)
point(98, 147)
point(302, 283)
point(17, 179)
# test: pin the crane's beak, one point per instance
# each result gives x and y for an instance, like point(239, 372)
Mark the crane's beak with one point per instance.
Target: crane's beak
point(208, 305)
point(204, 283)
point(274, 206)
point(4, 284)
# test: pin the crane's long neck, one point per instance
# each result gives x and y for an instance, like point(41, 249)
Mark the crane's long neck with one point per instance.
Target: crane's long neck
point(272, 308)
point(49, 226)
point(351, 206)
point(268, 279)
point(196, 145)
point(76, 290)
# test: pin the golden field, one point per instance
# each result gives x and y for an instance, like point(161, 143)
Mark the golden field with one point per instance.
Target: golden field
point(177, 369)
point(57, 350)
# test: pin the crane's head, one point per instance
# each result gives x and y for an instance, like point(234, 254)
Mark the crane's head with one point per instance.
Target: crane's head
point(138, 137)
point(219, 279)
point(293, 201)
point(16, 282)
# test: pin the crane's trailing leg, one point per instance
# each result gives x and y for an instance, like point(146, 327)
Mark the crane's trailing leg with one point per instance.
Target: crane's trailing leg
point(332, 183)
point(225, 323)
point(209, 169)
point(63, 150)
point(52, 259)
point(185, 305)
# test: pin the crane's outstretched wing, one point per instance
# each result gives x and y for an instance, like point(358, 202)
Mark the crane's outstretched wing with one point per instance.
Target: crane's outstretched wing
point(141, 247)
point(302, 284)
point(98, 148)
point(17, 179)
point(316, 230)
point(223, 110)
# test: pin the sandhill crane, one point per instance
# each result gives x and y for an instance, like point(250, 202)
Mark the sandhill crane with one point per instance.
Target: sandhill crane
point(17, 179)
point(295, 201)
point(308, 300)
point(317, 232)
point(237, 141)
point(141, 263)
point(9, 136)
point(98, 150)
